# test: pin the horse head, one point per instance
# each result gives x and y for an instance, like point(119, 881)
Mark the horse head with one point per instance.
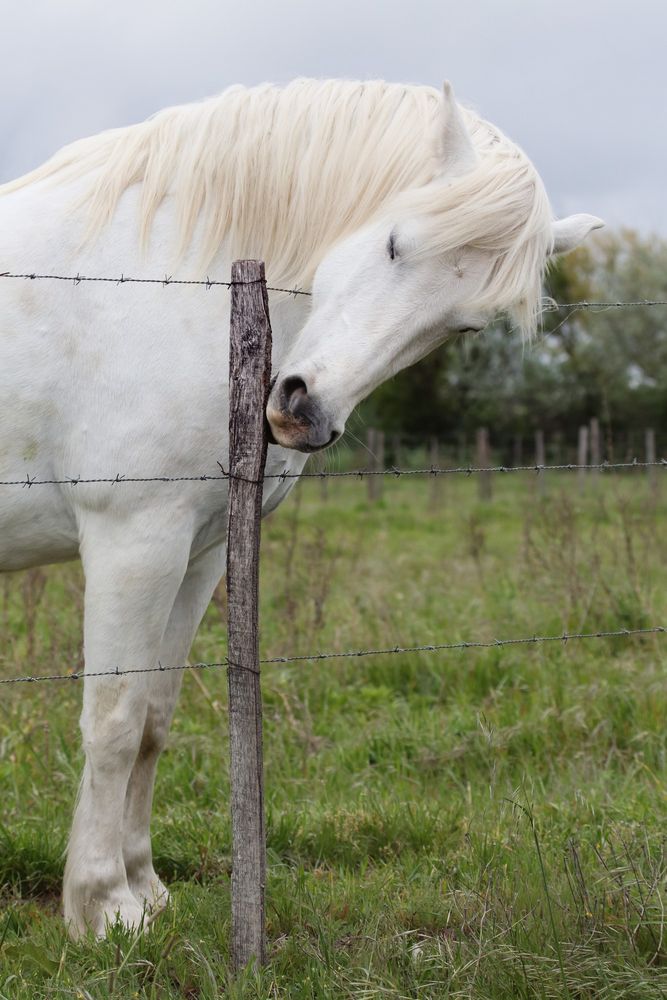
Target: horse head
point(439, 259)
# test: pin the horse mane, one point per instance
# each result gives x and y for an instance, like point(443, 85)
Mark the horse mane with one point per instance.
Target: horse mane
point(283, 173)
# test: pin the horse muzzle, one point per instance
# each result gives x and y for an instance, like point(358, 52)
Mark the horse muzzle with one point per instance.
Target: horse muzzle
point(296, 419)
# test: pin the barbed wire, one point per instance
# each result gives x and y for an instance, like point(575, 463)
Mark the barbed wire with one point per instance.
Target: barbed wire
point(393, 471)
point(585, 304)
point(223, 476)
point(549, 305)
point(208, 283)
point(30, 481)
point(470, 470)
point(564, 638)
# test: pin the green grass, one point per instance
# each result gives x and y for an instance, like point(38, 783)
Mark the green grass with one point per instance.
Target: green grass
point(472, 824)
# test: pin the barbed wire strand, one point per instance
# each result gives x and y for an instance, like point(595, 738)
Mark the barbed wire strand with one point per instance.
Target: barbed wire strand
point(208, 283)
point(563, 638)
point(549, 305)
point(584, 304)
point(465, 470)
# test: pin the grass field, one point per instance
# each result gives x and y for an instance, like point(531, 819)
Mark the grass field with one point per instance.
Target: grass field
point(473, 824)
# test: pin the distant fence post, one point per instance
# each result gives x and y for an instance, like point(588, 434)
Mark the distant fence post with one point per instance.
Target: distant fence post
point(483, 462)
point(379, 445)
point(650, 457)
point(249, 375)
point(595, 447)
point(375, 444)
point(540, 460)
point(582, 457)
point(463, 458)
point(396, 451)
point(557, 448)
point(436, 484)
point(370, 446)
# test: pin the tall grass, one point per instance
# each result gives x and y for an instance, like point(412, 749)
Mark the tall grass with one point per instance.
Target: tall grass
point(478, 824)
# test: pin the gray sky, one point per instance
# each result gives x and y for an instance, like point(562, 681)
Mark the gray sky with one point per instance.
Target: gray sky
point(580, 84)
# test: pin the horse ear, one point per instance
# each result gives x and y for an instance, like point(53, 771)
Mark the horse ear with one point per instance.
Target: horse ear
point(568, 233)
point(458, 152)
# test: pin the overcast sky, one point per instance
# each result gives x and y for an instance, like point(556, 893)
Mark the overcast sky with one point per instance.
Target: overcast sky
point(580, 84)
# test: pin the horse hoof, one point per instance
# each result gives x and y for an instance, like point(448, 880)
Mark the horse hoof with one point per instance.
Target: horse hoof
point(100, 918)
point(151, 893)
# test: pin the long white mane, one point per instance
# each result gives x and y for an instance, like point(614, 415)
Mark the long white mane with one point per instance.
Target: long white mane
point(284, 173)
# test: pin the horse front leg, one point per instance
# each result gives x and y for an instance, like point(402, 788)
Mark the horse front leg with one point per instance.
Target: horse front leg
point(133, 575)
point(193, 597)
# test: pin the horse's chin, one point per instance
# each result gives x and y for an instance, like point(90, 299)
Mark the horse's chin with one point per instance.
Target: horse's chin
point(285, 429)
point(297, 444)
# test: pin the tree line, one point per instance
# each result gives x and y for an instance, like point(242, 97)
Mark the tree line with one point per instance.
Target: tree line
point(609, 365)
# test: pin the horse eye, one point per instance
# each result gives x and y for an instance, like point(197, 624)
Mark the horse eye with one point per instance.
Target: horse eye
point(391, 246)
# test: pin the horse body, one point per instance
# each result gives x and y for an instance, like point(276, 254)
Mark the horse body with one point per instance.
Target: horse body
point(94, 386)
point(97, 386)
point(99, 381)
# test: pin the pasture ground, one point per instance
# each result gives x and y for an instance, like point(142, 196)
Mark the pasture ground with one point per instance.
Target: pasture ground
point(476, 824)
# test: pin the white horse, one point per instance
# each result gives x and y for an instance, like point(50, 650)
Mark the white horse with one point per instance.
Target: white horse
point(409, 217)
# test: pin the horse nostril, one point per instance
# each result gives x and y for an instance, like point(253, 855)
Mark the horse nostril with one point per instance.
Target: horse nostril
point(294, 389)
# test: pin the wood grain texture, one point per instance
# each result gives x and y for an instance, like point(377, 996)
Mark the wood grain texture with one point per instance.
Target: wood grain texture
point(249, 378)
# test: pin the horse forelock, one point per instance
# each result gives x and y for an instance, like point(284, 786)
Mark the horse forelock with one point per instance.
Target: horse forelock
point(283, 173)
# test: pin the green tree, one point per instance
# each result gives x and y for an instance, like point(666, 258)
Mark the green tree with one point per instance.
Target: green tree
point(610, 363)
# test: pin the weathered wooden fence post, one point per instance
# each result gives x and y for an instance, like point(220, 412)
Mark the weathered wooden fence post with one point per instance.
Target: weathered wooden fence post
point(596, 453)
point(540, 461)
point(582, 456)
point(650, 457)
point(436, 480)
point(379, 463)
point(249, 375)
point(371, 461)
point(483, 462)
